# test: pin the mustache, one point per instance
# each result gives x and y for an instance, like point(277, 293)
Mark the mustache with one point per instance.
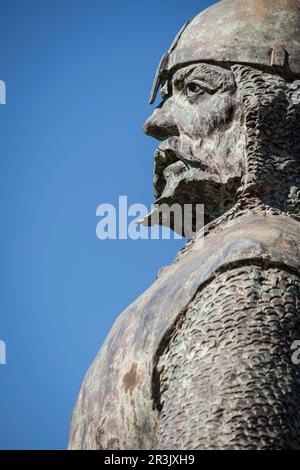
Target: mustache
point(189, 161)
point(180, 152)
point(177, 149)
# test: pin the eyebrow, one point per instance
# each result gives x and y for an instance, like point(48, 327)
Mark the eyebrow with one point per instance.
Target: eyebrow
point(182, 74)
point(204, 76)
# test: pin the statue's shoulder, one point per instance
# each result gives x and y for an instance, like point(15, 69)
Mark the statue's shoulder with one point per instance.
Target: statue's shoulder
point(256, 236)
point(252, 238)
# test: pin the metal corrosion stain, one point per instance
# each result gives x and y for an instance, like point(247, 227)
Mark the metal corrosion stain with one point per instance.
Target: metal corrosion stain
point(131, 379)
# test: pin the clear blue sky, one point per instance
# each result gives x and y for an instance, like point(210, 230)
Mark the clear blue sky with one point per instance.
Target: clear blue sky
point(78, 75)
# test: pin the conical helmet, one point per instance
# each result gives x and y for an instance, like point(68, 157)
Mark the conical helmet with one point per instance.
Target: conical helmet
point(257, 32)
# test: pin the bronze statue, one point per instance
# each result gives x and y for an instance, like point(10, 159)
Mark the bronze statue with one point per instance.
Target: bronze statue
point(202, 360)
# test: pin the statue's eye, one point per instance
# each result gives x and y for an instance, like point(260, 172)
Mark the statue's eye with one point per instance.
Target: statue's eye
point(193, 89)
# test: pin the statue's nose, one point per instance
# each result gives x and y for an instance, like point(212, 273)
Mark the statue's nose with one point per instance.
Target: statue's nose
point(160, 125)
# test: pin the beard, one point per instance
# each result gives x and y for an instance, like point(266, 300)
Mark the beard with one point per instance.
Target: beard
point(186, 172)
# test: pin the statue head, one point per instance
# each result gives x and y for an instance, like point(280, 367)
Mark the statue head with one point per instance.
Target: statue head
point(229, 122)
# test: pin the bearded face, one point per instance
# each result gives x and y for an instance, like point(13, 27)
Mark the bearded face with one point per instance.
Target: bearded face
point(200, 157)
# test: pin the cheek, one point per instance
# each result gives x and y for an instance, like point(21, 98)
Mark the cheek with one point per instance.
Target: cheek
point(200, 119)
point(217, 113)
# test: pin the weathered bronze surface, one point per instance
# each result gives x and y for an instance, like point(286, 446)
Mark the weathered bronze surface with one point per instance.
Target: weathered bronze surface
point(203, 359)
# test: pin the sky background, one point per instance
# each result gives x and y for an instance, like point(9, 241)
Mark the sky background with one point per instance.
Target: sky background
point(78, 75)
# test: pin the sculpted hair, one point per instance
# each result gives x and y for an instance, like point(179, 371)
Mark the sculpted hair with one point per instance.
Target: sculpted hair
point(271, 107)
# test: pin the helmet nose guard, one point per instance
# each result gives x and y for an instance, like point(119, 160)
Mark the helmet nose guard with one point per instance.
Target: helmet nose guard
point(255, 32)
point(163, 64)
